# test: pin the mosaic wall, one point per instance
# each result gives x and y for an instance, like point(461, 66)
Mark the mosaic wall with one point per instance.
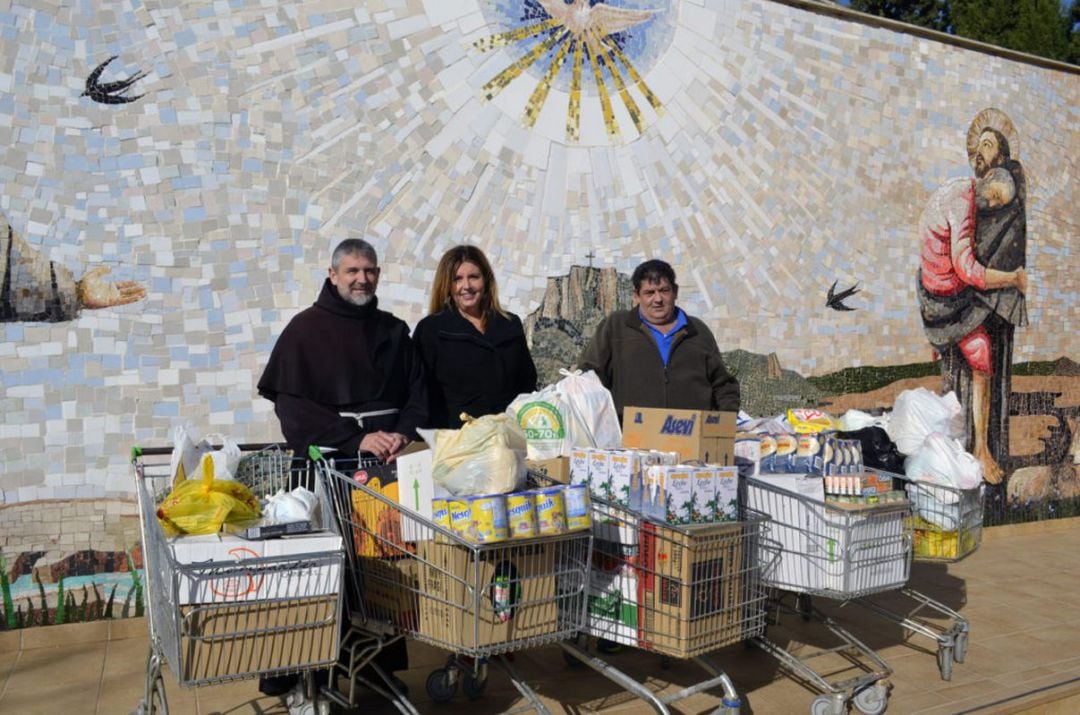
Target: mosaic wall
point(196, 182)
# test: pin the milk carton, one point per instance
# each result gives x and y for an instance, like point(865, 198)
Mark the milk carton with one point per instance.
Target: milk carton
point(668, 494)
point(579, 465)
point(599, 481)
point(624, 476)
point(726, 481)
point(704, 496)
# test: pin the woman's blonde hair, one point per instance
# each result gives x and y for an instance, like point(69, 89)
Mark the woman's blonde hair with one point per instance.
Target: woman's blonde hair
point(443, 287)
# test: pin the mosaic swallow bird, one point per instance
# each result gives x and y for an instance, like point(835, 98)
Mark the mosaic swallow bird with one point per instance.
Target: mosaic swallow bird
point(836, 300)
point(110, 92)
point(584, 32)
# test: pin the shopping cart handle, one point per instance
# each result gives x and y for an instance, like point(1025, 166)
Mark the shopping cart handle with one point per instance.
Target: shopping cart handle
point(136, 452)
point(314, 454)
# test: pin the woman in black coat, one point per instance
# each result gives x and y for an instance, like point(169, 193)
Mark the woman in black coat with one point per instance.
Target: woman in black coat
point(475, 356)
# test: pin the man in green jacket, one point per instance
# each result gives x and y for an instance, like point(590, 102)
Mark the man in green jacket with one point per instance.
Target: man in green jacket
point(655, 355)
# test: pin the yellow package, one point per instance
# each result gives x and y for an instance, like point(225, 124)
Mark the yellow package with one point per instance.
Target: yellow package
point(805, 420)
point(201, 506)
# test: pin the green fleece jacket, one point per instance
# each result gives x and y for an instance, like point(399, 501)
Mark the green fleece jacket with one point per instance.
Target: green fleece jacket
point(624, 355)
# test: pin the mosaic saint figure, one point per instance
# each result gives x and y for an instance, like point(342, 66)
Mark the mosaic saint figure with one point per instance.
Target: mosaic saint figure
point(971, 283)
point(34, 288)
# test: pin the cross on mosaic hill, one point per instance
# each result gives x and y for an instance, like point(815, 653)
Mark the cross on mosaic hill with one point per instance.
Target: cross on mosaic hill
point(590, 255)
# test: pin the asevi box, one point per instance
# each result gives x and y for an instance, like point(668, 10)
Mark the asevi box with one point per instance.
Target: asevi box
point(697, 435)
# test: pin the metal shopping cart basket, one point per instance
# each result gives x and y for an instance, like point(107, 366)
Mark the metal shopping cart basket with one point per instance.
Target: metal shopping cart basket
point(946, 528)
point(835, 551)
point(678, 591)
point(247, 615)
point(477, 601)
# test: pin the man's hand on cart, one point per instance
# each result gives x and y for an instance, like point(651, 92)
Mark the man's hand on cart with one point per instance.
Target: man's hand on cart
point(384, 445)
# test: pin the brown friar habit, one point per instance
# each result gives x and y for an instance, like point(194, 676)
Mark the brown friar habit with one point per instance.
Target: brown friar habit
point(338, 357)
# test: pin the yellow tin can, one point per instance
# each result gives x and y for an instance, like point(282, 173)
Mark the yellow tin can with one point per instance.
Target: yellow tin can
point(460, 517)
point(550, 511)
point(578, 509)
point(440, 513)
point(521, 515)
point(489, 519)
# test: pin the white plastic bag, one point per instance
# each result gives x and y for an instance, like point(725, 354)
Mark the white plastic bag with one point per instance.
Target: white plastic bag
point(189, 450)
point(597, 421)
point(916, 413)
point(485, 456)
point(577, 411)
point(935, 505)
point(942, 461)
point(300, 504)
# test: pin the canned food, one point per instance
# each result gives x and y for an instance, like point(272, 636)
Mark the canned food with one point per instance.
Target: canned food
point(460, 516)
point(521, 515)
point(488, 519)
point(550, 511)
point(440, 513)
point(576, 503)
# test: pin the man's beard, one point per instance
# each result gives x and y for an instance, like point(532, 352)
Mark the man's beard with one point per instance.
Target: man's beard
point(982, 168)
point(358, 300)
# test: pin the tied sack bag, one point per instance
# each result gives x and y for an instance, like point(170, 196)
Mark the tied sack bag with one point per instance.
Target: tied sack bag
point(201, 506)
point(485, 456)
point(916, 413)
point(942, 461)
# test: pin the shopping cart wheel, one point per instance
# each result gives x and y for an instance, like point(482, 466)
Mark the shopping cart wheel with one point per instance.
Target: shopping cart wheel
point(826, 705)
point(473, 686)
point(441, 685)
point(960, 648)
point(945, 661)
point(872, 700)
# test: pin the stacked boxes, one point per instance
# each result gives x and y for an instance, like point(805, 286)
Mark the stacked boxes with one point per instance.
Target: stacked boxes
point(691, 582)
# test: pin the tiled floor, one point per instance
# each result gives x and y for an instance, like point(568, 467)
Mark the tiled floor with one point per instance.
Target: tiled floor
point(1020, 591)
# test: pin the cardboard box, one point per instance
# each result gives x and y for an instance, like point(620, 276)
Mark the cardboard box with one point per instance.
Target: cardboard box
point(458, 609)
point(391, 589)
point(212, 567)
point(695, 434)
point(379, 530)
point(557, 468)
point(599, 473)
point(692, 598)
point(579, 465)
point(223, 641)
point(624, 474)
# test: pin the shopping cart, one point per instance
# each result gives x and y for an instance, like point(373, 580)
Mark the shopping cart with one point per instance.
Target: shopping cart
point(477, 601)
point(678, 591)
point(835, 551)
point(215, 621)
point(946, 528)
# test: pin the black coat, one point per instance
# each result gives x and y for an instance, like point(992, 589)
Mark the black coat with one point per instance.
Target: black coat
point(469, 371)
point(337, 357)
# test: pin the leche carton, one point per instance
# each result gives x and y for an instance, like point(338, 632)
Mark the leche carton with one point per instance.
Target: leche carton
point(704, 499)
point(599, 483)
point(579, 465)
point(624, 475)
point(727, 493)
point(668, 496)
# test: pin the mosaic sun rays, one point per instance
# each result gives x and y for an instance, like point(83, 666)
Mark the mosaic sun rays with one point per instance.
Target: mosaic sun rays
point(587, 35)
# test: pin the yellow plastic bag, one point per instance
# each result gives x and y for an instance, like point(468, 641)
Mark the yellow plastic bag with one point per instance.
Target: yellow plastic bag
point(201, 506)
